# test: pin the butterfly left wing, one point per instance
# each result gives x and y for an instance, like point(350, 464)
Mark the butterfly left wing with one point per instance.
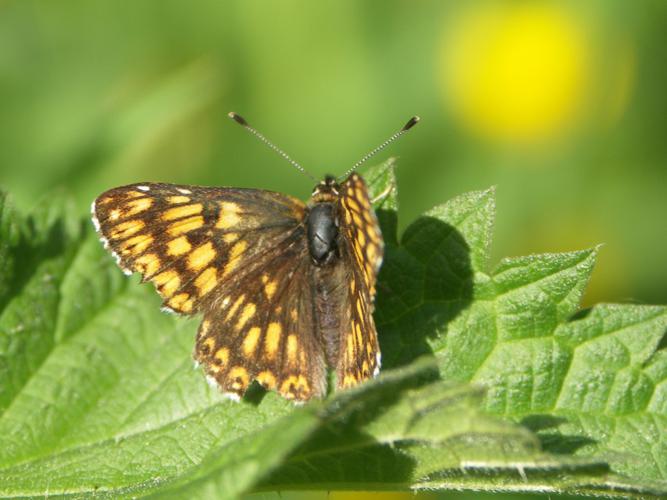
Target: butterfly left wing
point(239, 256)
point(192, 242)
point(362, 252)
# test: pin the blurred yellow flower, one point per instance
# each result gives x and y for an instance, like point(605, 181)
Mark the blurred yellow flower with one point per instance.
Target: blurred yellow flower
point(516, 72)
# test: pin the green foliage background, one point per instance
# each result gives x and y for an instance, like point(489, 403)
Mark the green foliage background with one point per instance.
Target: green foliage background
point(100, 93)
point(96, 94)
point(99, 398)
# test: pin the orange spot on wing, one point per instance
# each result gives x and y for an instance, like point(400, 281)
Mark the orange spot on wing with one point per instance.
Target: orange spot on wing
point(250, 341)
point(147, 264)
point(137, 206)
point(178, 199)
point(185, 226)
point(234, 308)
point(222, 355)
point(127, 229)
point(137, 244)
point(247, 313)
point(273, 333)
point(167, 282)
point(352, 204)
point(201, 256)
point(238, 376)
point(292, 346)
point(206, 281)
point(267, 379)
point(349, 380)
point(207, 345)
point(229, 215)
point(361, 238)
point(181, 302)
point(178, 246)
point(234, 257)
point(270, 288)
point(182, 212)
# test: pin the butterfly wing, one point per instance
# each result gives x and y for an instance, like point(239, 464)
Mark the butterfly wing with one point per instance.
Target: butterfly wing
point(265, 330)
point(359, 351)
point(240, 257)
point(192, 242)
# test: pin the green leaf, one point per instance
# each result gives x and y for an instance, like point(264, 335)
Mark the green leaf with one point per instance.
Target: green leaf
point(35, 255)
point(591, 385)
point(98, 395)
point(430, 434)
point(615, 389)
point(8, 239)
point(255, 454)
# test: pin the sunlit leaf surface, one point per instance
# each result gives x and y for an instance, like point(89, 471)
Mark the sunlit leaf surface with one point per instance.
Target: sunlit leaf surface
point(488, 382)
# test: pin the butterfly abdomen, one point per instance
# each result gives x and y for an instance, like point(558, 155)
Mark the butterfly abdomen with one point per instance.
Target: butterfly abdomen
point(322, 233)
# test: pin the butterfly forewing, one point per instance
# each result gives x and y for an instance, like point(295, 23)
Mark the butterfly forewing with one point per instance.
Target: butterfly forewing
point(193, 241)
point(359, 357)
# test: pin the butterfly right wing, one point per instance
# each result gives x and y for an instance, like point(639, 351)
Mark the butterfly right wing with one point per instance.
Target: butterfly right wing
point(362, 253)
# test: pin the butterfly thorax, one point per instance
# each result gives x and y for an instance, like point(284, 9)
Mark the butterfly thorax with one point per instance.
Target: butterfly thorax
point(322, 222)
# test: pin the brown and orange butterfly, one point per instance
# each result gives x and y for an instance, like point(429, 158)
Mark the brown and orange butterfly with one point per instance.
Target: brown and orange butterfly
point(285, 288)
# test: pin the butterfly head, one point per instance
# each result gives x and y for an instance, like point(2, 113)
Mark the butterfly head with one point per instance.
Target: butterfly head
point(327, 190)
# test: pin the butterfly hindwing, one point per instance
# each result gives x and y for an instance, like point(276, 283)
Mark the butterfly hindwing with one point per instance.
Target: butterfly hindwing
point(265, 330)
point(190, 241)
point(359, 352)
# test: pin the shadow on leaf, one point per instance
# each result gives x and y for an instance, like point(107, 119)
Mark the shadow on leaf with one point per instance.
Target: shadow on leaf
point(33, 247)
point(546, 429)
point(425, 282)
point(336, 457)
point(341, 452)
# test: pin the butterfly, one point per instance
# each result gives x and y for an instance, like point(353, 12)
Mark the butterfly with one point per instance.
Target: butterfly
point(285, 288)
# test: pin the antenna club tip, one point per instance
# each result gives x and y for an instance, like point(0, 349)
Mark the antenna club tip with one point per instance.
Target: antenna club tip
point(237, 118)
point(411, 123)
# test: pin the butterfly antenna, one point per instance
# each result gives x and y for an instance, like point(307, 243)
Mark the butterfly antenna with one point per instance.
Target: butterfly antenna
point(241, 121)
point(411, 123)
